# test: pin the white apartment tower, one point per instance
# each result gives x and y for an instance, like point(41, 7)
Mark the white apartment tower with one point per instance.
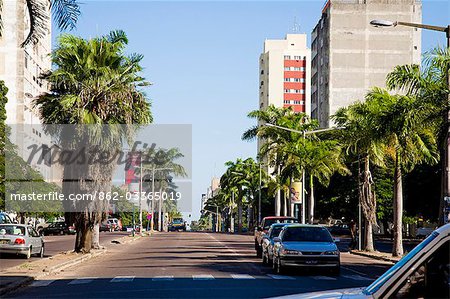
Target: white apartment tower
point(20, 68)
point(349, 56)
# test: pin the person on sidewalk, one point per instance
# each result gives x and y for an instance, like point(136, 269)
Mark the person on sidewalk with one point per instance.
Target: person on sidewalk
point(352, 227)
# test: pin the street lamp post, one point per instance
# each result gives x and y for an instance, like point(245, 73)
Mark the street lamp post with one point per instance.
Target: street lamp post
point(446, 158)
point(304, 133)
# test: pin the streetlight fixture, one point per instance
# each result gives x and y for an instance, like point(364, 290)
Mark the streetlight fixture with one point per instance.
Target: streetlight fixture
point(304, 133)
point(446, 166)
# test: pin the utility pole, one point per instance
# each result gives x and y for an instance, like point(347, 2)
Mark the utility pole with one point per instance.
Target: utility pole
point(153, 199)
point(140, 192)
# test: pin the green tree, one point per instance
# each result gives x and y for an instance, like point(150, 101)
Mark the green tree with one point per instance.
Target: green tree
point(3, 137)
point(64, 12)
point(409, 140)
point(94, 83)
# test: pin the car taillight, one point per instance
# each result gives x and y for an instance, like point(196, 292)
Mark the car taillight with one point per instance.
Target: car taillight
point(19, 241)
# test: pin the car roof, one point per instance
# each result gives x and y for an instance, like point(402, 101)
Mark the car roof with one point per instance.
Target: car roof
point(294, 225)
point(280, 224)
point(279, 217)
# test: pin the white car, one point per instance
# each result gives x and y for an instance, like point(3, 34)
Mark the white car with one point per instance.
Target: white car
point(422, 273)
point(20, 239)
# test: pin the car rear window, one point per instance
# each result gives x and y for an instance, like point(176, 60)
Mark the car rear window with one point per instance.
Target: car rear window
point(12, 230)
point(269, 222)
point(307, 234)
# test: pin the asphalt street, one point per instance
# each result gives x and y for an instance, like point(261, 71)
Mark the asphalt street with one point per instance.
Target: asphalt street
point(55, 245)
point(193, 265)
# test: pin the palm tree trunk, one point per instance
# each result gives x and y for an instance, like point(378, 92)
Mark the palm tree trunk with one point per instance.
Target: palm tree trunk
point(397, 249)
point(369, 206)
point(96, 236)
point(240, 215)
point(278, 203)
point(285, 201)
point(311, 200)
point(368, 237)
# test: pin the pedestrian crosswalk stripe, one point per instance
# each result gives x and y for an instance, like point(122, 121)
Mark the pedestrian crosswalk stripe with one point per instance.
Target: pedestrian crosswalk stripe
point(242, 276)
point(122, 279)
point(357, 277)
point(41, 283)
point(281, 277)
point(323, 278)
point(167, 277)
point(202, 277)
point(82, 280)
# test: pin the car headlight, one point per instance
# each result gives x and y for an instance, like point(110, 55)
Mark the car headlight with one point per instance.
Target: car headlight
point(290, 252)
point(333, 252)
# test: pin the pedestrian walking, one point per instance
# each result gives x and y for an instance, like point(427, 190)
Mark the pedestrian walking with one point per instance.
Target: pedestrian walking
point(352, 227)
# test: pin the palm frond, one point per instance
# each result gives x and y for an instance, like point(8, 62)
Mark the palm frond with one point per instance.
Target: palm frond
point(39, 19)
point(65, 13)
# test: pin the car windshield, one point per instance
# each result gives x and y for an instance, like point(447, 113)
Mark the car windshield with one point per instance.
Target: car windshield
point(377, 284)
point(177, 221)
point(269, 222)
point(275, 231)
point(12, 230)
point(307, 234)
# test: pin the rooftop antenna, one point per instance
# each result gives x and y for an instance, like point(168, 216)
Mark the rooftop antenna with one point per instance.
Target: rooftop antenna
point(296, 27)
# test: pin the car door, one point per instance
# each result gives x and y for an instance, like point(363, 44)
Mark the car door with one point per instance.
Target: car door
point(35, 247)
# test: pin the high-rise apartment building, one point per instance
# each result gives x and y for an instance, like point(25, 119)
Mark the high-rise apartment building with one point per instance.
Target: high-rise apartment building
point(20, 69)
point(285, 73)
point(349, 56)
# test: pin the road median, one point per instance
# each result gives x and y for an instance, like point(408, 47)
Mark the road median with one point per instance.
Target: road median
point(381, 256)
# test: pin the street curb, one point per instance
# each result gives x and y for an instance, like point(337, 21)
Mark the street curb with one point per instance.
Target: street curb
point(375, 257)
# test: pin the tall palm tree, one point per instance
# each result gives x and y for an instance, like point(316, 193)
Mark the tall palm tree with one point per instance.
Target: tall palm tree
point(64, 12)
point(404, 129)
point(95, 84)
point(359, 138)
point(428, 84)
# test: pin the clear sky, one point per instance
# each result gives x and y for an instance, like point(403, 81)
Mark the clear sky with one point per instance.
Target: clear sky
point(202, 58)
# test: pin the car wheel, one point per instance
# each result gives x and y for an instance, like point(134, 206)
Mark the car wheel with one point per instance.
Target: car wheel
point(264, 259)
point(28, 254)
point(41, 253)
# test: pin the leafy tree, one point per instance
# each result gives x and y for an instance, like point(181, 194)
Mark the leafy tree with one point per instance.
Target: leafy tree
point(3, 137)
point(409, 140)
point(94, 84)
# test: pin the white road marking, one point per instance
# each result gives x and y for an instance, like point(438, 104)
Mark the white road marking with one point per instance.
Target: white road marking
point(122, 279)
point(41, 283)
point(357, 277)
point(274, 276)
point(159, 278)
point(242, 276)
point(323, 278)
point(202, 277)
point(82, 280)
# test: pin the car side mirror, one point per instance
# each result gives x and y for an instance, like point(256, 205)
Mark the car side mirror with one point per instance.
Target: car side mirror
point(336, 240)
point(277, 240)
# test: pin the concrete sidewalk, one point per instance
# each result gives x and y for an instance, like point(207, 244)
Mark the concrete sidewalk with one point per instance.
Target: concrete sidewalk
point(16, 277)
point(377, 255)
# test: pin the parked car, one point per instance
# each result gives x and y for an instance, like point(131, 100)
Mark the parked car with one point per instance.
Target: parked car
point(4, 218)
point(304, 245)
point(115, 224)
point(422, 273)
point(267, 242)
point(264, 228)
point(21, 239)
point(58, 228)
point(339, 230)
point(105, 227)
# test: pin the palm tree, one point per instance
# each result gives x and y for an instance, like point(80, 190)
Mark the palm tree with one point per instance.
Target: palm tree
point(94, 83)
point(359, 138)
point(64, 12)
point(429, 85)
point(404, 130)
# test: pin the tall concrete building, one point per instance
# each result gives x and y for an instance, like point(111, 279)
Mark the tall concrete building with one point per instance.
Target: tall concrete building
point(285, 73)
point(20, 68)
point(349, 56)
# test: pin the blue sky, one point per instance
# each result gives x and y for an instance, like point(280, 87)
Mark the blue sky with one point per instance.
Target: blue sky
point(202, 58)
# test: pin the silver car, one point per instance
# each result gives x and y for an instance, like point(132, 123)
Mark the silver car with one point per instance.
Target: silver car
point(21, 239)
point(301, 245)
point(267, 242)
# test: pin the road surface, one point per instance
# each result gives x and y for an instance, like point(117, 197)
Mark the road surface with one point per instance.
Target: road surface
point(193, 265)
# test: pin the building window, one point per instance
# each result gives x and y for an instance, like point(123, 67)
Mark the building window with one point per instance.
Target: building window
point(26, 60)
point(287, 68)
point(302, 91)
point(287, 79)
point(286, 90)
point(297, 57)
point(287, 101)
point(287, 57)
point(302, 80)
point(262, 72)
point(262, 83)
point(302, 69)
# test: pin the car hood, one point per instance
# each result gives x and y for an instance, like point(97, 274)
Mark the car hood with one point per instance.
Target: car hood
point(310, 246)
point(353, 293)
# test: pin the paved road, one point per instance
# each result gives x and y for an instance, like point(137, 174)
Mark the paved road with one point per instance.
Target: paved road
point(192, 265)
point(54, 245)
